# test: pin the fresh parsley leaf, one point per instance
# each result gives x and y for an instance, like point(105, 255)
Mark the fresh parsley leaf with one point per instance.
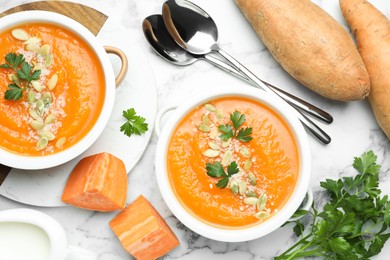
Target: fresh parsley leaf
point(244, 134)
point(25, 72)
point(135, 124)
point(215, 170)
point(222, 183)
point(14, 92)
point(14, 60)
point(298, 228)
point(227, 131)
point(354, 223)
point(35, 75)
point(5, 66)
point(237, 119)
point(232, 168)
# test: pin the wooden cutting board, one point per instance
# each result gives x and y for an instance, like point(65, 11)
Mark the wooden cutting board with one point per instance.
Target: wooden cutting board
point(87, 16)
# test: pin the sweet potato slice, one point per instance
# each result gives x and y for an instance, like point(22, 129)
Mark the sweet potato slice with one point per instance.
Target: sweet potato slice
point(98, 182)
point(142, 231)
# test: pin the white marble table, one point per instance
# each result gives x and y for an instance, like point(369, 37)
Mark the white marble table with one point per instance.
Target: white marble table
point(353, 131)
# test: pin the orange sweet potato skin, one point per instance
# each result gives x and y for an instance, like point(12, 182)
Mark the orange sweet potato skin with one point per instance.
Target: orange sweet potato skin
point(310, 45)
point(142, 231)
point(98, 182)
point(372, 31)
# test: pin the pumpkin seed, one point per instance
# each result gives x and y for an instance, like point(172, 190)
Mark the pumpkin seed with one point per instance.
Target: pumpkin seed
point(20, 34)
point(250, 201)
point(248, 164)
point(262, 214)
point(31, 97)
point(214, 133)
point(40, 107)
point(37, 85)
point(33, 113)
point(211, 153)
point(219, 114)
point(214, 145)
point(205, 119)
point(210, 107)
point(251, 193)
point(244, 151)
point(204, 128)
point(60, 142)
point(47, 99)
point(52, 81)
point(226, 157)
point(32, 47)
point(234, 187)
point(47, 135)
point(12, 77)
point(34, 40)
point(48, 60)
point(261, 202)
point(42, 143)
point(37, 67)
point(50, 119)
point(242, 187)
point(44, 50)
point(37, 125)
point(226, 143)
point(252, 178)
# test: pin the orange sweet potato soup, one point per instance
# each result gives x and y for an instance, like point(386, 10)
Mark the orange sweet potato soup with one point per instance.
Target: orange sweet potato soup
point(51, 89)
point(233, 162)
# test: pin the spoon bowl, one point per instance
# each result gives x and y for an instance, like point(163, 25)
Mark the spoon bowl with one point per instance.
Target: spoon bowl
point(159, 38)
point(199, 34)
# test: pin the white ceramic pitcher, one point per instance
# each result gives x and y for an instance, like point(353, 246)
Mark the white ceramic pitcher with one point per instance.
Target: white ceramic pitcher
point(37, 235)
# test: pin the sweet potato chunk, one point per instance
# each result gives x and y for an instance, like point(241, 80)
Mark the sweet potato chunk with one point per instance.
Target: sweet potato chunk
point(142, 231)
point(98, 182)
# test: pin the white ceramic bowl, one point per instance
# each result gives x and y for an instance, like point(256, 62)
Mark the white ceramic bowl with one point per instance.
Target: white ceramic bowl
point(56, 246)
point(222, 234)
point(47, 161)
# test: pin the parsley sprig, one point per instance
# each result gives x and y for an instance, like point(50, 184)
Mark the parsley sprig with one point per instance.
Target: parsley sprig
point(23, 72)
point(134, 124)
point(353, 224)
point(242, 134)
point(216, 170)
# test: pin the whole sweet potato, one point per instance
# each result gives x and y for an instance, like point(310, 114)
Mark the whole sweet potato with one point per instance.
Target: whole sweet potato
point(372, 32)
point(310, 45)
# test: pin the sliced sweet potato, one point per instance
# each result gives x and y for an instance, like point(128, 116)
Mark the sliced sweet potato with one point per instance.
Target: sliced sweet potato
point(98, 182)
point(142, 231)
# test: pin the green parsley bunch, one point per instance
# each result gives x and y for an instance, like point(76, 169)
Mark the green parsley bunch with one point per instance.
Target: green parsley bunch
point(354, 224)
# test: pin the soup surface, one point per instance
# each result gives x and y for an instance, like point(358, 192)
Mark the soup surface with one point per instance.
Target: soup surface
point(61, 102)
point(260, 174)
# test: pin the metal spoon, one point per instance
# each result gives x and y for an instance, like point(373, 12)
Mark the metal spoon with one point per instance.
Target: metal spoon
point(195, 31)
point(162, 42)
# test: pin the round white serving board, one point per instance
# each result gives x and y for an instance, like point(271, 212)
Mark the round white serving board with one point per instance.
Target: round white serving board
point(138, 90)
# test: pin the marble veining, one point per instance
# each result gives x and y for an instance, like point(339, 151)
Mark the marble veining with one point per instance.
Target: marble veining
point(353, 131)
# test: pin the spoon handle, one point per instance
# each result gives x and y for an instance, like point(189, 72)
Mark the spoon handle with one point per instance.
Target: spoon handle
point(298, 103)
point(306, 122)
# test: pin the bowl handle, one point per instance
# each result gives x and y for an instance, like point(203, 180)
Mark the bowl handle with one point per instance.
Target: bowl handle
point(159, 116)
point(306, 204)
point(122, 56)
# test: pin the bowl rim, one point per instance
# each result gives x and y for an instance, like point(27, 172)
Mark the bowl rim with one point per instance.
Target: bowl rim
point(28, 162)
point(247, 233)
